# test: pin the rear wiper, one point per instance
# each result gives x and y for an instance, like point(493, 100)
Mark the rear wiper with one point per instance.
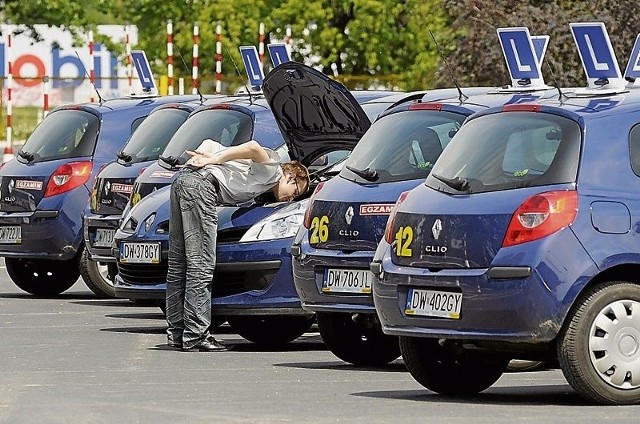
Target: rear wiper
point(171, 160)
point(457, 183)
point(124, 156)
point(368, 173)
point(26, 155)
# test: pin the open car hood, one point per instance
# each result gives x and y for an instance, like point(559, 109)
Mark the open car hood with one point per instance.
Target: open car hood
point(315, 113)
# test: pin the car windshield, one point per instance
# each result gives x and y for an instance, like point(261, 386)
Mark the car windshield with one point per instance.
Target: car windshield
point(509, 150)
point(227, 127)
point(63, 134)
point(401, 146)
point(152, 136)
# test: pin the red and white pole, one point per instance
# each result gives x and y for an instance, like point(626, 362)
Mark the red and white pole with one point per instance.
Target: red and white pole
point(127, 48)
point(8, 150)
point(218, 59)
point(170, 56)
point(91, 67)
point(288, 41)
point(194, 76)
point(45, 92)
point(261, 43)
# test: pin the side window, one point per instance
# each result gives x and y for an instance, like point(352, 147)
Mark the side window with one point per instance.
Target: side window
point(634, 149)
point(136, 124)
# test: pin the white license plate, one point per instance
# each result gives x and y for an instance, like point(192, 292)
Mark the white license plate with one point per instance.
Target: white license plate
point(339, 280)
point(141, 253)
point(11, 235)
point(104, 237)
point(433, 303)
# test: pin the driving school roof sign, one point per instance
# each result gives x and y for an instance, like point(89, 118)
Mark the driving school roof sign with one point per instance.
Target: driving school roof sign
point(524, 55)
point(598, 58)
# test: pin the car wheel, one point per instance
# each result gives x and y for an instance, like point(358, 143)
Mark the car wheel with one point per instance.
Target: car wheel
point(97, 276)
point(271, 331)
point(356, 342)
point(43, 277)
point(444, 369)
point(521, 365)
point(599, 346)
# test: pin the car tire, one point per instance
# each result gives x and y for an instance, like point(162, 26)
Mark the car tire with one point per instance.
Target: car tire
point(356, 343)
point(443, 369)
point(521, 365)
point(599, 346)
point(97, 276)
point(42, 277)
point(270, 330)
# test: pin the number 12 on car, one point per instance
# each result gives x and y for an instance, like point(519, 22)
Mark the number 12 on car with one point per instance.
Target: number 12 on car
point(404, 237)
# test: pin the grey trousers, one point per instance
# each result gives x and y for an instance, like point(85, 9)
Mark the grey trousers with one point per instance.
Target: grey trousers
point(193, 229)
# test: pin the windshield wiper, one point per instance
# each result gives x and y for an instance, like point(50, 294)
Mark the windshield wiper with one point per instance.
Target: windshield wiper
point(170, 160)
point(124, 156)
point(26, 155)
point(368, 173)
point(457, 183)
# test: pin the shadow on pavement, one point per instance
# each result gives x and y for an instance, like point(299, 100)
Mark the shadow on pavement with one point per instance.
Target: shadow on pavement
point(115, 302)
point(63, 296)
point(137, 330)
point(396, 366)
point(514, 395)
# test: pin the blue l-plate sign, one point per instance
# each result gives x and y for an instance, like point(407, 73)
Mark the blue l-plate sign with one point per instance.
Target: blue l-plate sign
point(139, 59)
point(519, 53)
point(594, 46)
point(633, 67)
point(279, 53)
point(252, 65)
point(540, 44)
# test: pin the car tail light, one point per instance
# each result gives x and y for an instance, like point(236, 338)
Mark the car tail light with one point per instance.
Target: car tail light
point(541, 215)
point(68, 177)
point(388, 231)
point(307, 213)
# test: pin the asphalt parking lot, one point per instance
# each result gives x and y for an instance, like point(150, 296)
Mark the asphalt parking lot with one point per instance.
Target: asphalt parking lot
point(78, 359)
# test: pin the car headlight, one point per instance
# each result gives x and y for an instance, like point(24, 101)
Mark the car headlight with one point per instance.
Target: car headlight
point(149, 221)
point(281, 224)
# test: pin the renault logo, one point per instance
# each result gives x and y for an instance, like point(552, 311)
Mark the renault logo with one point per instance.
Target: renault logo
point(107, 187)
point(436, 229)
point(12, 184)
point(349, 215)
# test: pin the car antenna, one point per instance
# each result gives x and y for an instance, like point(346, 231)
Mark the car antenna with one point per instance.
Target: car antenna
point(187, 68)
point(239, 74)
point(561, 95)
point(462, 97)
point(87, 74)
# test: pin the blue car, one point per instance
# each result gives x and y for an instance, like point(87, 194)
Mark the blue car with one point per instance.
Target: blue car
point(112, 190)
point(523, 243)
point(253, 286)
point(44, 190)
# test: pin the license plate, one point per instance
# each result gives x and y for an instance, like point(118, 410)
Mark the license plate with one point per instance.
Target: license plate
point(339, 280)
point(104, 237)
point(11, 235)
point(433, 303)
point(141, 253)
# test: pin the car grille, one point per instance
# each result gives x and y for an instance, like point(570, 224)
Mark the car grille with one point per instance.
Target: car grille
point(225, 282)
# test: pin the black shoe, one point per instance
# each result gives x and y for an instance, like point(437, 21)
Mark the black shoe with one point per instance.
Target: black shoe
point(207, 345)
point(175, 345)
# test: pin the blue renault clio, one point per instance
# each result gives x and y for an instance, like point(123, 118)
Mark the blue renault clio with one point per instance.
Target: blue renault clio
point(44, 190)
point(253, 287)
point(346, 216)
point(523, 243)
point(113, 187)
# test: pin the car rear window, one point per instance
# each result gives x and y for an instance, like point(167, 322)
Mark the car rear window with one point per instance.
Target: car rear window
point(228, 127)
point(402, 146)
point(152, 136)
point(509, 150)
point(63, 134)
